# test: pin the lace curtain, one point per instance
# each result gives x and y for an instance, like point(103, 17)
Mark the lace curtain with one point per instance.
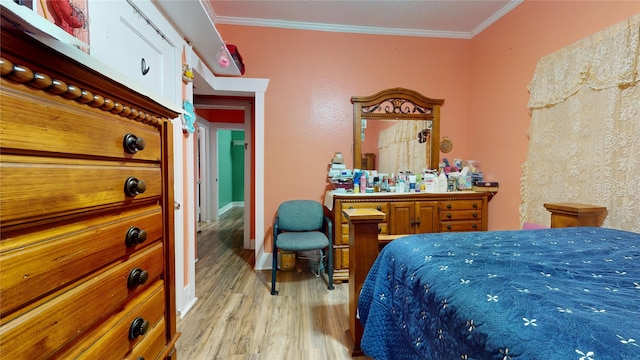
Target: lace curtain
point(584, 139)
point(400, 150)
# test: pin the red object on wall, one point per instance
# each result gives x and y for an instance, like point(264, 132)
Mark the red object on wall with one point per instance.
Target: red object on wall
point(237, 58)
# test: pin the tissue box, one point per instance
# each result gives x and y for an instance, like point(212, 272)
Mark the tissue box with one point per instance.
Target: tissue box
point(490, 186)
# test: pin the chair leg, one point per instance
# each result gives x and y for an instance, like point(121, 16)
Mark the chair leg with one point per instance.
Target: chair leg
point(274, 268)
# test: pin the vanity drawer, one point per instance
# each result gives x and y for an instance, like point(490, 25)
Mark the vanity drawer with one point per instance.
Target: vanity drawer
point(455, 226)
point(460, 205)
point(45, 329)
point(73, 129)
point(70, 186)
point(68, 252)
point(382, 229)
point(111, 340)
point(341, 258)
point(460, 215)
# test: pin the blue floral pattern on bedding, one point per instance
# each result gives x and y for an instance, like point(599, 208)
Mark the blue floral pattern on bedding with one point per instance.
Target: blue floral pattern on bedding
point(571, 293)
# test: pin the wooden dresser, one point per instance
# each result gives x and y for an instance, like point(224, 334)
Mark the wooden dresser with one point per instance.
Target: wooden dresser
point(407, 213)
point(87, 244)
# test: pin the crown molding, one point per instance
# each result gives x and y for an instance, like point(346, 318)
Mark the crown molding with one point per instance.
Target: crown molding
point(283, 24)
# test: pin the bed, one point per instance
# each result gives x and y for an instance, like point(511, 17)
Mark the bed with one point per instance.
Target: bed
point(561, 293)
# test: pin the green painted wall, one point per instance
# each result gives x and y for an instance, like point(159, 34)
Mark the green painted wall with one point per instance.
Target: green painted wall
point(230, 167)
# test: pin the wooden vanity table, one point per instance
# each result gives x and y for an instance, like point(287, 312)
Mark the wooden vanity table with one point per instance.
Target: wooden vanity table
point(406, 213)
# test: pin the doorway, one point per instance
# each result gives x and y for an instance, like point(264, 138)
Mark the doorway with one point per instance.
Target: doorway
point(225, 159)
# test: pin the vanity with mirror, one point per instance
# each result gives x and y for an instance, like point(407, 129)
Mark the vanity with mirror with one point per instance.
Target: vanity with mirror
point(399, 127)
point(397, 130)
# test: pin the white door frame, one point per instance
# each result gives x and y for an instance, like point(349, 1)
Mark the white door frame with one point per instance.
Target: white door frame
point(212, 164)
point(247, 87)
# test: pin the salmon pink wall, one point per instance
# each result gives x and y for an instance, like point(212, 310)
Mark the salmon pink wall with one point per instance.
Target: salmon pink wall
point(313, 74)
point(308, 113)
point(503, 61)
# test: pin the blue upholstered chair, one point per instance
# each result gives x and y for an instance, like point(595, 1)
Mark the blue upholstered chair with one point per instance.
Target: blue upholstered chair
point(301, 225)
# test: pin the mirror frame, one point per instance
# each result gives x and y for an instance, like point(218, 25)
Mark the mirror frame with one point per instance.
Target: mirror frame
point(396, 104)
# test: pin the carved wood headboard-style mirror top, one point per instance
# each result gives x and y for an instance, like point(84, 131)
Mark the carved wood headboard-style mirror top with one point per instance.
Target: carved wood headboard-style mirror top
point(399, 128)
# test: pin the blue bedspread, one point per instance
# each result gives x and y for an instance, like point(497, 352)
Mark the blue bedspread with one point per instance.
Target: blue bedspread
point(571, 293)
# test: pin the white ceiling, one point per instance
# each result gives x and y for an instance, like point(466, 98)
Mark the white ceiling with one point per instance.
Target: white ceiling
point(428, 18)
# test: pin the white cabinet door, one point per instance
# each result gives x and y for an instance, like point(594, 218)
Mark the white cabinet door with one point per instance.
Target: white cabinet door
point(123, 38)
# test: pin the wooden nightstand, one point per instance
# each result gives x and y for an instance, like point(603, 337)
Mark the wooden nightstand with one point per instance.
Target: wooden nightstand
point(570, 214)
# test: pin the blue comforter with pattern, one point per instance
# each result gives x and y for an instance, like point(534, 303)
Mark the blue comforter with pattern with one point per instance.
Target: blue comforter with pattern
point(571, 293)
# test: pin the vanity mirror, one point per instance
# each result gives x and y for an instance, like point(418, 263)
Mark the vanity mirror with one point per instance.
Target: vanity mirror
point(395, 130)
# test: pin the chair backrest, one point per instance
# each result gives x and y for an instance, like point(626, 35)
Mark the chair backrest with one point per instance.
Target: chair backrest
point(300, 215)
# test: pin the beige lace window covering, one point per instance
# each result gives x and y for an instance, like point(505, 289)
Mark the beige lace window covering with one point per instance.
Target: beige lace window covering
point(584, 138)
point(399, 148)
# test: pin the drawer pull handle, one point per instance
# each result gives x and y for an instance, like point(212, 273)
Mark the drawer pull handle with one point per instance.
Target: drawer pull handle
point(475, 226)
point(475, 206)
point(139, 327)
point(135, 236)
point(448, 206)
point(132, 144)
point(475, 214)
point(449, 215)
point(143, 67)
point(418, 222)
point(378, 207)
point(448, 227)
point(133, 186)
point(137, 277)
point(350, 207)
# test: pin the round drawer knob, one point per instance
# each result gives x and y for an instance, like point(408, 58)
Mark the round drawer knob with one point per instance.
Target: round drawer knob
point(475, 206)
point(135, 236)
point(132, 144)
point(139, 327)
point(448, 227)
point(448, 206)
point(449, 215)
point(475, 215)
point(137, 277)
point(475, 226)
point(378, 207)
point(133, 186)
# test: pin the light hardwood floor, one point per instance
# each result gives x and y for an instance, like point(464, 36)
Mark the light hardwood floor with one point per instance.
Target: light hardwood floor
point(236, 317)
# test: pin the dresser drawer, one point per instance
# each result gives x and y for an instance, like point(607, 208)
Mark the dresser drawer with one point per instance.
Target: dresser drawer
point(455, 226)
point(70, 186)
point(65, 128)
point(45, 329)
point(341, 258)
point(460, 215)
point(460, 205)
point(151, 345)
point(111, 340)
point(68, 252)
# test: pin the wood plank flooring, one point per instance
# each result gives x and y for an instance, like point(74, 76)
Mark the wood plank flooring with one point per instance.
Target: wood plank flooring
point(236, 317)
